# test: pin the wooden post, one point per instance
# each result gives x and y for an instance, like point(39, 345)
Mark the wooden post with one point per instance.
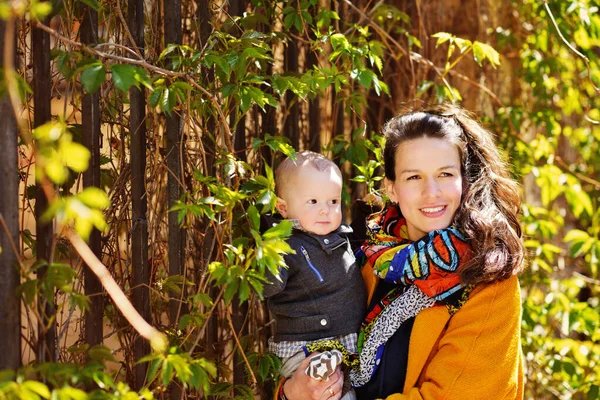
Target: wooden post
point(90, 111)
point(42, 81)
point(174, 133)
point(10, 312)
point(139, 246)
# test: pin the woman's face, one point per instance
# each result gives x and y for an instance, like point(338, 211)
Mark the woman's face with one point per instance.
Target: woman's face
point(428, 185)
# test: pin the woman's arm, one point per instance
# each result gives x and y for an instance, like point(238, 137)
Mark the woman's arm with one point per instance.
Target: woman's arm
point(479, 354)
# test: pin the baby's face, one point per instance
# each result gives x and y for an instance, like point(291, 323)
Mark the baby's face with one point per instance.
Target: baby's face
point(314, 198)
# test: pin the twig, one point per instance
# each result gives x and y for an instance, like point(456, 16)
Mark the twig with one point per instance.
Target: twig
point(127, 31)
point(12, 244)
point(117, 45)
point(101, 54)
point(239, 345)
point(377, 28)
point(573, 49)
point(492, 95)
point(420, 59)
point(586, 278)
point(156, 338)
point(584, 178)
point(208, 315)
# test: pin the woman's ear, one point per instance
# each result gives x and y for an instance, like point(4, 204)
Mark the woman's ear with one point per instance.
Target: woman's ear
point(281, 207)
point(389, 190)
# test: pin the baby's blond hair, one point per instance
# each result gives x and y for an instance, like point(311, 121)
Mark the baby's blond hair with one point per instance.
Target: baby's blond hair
point(288, 167)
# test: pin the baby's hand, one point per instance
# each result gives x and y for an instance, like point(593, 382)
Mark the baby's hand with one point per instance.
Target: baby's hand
point(322, 365)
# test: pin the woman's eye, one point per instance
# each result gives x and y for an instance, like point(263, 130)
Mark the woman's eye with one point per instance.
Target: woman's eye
point(312, 201)
point(412, 177)
point(446, 174)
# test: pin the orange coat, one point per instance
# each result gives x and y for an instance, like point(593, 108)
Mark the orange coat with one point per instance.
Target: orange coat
point(475, 354)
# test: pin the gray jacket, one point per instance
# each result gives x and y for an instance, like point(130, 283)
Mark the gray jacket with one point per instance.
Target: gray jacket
point(321, 293)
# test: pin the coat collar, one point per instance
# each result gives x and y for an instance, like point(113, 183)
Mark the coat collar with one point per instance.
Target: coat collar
point(428, 327)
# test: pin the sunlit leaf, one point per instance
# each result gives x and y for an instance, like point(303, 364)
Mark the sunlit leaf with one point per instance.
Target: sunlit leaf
point(92, 77)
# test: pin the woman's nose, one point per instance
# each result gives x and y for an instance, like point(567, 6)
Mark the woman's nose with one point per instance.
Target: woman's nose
point(432, 188)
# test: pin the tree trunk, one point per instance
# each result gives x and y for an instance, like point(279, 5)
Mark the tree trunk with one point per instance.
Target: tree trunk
point(91, 178)
point(139, 246)
point(42, 82)
point(10, 312)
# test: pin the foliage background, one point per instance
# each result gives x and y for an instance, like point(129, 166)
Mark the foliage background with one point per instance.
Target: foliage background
point(231, 87)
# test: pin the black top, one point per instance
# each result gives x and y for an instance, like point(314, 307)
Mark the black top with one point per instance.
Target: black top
point(391, 373)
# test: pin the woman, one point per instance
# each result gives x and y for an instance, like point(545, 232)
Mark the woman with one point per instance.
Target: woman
point(445, 177)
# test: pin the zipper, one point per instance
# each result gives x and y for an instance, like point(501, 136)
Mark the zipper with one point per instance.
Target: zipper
point(311, 265)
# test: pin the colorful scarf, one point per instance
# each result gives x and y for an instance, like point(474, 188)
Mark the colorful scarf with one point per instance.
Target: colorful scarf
point(426, 271)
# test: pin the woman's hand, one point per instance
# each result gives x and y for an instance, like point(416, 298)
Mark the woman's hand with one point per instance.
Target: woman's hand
point(302, 387)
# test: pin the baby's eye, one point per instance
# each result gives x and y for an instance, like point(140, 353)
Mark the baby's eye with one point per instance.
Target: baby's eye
point(312, 201)
point(334, 201)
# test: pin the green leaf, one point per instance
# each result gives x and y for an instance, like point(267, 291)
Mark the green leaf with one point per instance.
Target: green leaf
point(245, 392)
point(73, 394)
point(155, 96)
point(199, 378)
point(424, 87)
point(75, 155)
point(153, 367)
point(28, 289)
point(254, 217)
point(220, 389)
point(579, 200)
point(38, 388)
point(62, 62)
point(39, 10)
point(124, 76)
point(92, 3)
point(231, 290)
point(94, 197)
point(442, 37)
point(167, 372)
point(50, 131)
point(93, 76)
point(101, 354)
point(576, 235)
point(244, 291)
point(264, 367)
point(481, 51)
point(463, 44)
point(56, 171)
point(282, 230)
point(339, 42)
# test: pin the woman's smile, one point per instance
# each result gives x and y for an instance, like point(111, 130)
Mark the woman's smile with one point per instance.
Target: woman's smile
point(433, 212)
